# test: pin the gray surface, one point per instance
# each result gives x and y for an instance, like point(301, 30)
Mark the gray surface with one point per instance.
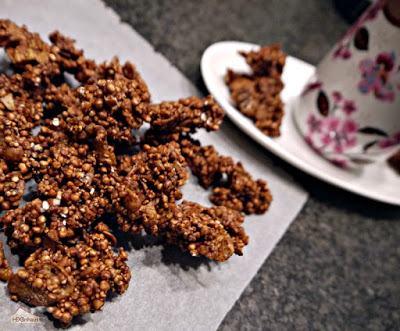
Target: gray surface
point(337, 267)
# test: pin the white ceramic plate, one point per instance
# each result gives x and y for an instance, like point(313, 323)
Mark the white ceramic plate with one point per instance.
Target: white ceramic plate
point(376, 181)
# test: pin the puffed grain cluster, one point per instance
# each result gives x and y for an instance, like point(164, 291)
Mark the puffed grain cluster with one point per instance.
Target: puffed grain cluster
point(233, 187)
point(78, 158)
point(258, 95)
point(72, 280)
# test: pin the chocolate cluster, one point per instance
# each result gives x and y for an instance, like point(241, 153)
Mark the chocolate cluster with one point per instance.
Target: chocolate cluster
point(258, 95)
point(73, 142)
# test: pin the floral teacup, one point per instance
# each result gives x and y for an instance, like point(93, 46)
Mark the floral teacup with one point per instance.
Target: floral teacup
point(349, 111)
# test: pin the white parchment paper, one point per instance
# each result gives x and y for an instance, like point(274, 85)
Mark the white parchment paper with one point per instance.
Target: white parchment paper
point(169, 290)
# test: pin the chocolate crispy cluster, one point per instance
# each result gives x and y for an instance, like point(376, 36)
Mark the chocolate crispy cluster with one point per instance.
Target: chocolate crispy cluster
point(72, 280)
point(78, 158)
point(258, 95)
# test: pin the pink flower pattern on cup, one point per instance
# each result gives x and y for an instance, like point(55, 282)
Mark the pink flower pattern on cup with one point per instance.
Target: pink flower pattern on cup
point(347, 106)
point(343, 51)
point(391, 141)
point(377, 76)
point(334, 134)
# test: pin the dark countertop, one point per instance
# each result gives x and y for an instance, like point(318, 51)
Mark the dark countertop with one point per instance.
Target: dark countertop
point(338, 265)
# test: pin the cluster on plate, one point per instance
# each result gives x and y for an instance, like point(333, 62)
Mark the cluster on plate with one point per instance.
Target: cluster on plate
point(258, 95)
point(74, 143)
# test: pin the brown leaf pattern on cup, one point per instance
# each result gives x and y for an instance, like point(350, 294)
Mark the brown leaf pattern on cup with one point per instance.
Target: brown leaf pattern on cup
point(323, 103)
point(361, 39)
point(391, 9)
point(370, 144)
point(372, 130)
